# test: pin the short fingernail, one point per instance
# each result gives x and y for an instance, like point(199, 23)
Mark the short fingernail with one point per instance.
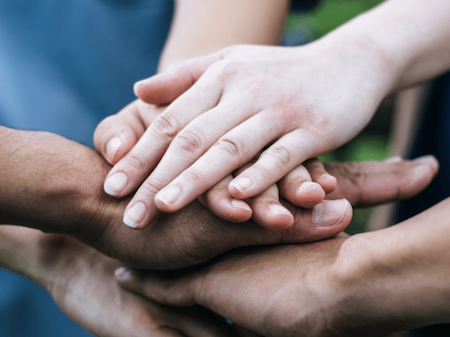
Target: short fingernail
point(123, 274)
point(309, 186)
point(136, 87)
point(329, 213)
point(242, 184)
point(169, 195)
point(116, 183)
point(422, 164)
point(327, 176)
point(134, 216)
point(393, 159)
point(112, 147)
point(428, 159)
point(240, 204)
point(277, 209)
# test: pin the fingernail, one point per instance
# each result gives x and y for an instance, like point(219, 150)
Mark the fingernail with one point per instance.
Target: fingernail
point(307, 185)
point(423, 163)
point(242, 184)
point(393, 159)
point(169, 195)
point(329, 213)
point(123, 274)
point(136, 87)
point(116, 183)
point(240, 204)
point(134, 216)
point(112, 147)
point(428, 159)
point(277, 209)
point(327, 176)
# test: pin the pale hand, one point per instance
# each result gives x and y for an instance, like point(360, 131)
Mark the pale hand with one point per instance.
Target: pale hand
point(291, 103)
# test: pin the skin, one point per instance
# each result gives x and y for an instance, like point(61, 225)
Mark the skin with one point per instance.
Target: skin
point(370, 284)
point(312, 179)
point(59, 190)
point(71, 201)
point(196, 32)
point(290, 103)
point(81, 281)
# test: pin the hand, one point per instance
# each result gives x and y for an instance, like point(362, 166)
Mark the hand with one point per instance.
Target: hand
point(194, 235)
point(63, 194)
point(275, 291)
point(358, 286)
point(81, 281)
point(232, 104)
point(116, 135)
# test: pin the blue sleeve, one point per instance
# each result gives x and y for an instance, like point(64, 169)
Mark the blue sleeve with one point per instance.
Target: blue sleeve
point(304, 5)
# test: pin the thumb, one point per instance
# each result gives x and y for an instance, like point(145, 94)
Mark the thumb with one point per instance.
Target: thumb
point(165, 87)
point(372, 183)
point(164, 287)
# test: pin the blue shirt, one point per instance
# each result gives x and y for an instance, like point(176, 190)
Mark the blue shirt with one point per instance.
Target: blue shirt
point(64, 66)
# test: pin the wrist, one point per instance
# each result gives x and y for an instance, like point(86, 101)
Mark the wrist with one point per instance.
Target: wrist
point(384, 285)
point(364, 57)
point(378, 43)
point(50, 183)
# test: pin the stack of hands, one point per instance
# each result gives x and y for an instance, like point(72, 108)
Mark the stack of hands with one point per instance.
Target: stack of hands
point(277, 290)
point(233, 217)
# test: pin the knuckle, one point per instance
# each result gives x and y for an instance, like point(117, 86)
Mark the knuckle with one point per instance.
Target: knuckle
point(166, 125)
point(233, 147)
point(225, 69)
point(136, 159)
point(194, 177)
point(190, 141)
point(357, 179)
point(279, 153)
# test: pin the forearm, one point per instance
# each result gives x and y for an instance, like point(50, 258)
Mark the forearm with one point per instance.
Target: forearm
point(400, 42)
point(47, 182)
point(397, 278)
point(205, 26)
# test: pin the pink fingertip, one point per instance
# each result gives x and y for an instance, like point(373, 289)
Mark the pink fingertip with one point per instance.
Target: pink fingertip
point(329, 177)
point(309, 186)
point(136, 87)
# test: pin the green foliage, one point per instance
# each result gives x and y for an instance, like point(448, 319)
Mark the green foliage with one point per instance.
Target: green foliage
point(329, 15)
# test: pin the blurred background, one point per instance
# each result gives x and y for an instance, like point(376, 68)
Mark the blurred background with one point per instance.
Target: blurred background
point(374, 142)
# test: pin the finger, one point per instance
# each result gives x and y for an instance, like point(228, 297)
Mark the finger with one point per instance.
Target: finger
point(319, 175)
point(274, 163)
point(371, 183)
point(325, 220)
point(269, 212)
point(164, 88)
point(131, 171)
point(267, 209)
point(142, 208)
point(177, 290)
point(117, 134)
point(298, 188)
point(220, 202)
point(230, 152)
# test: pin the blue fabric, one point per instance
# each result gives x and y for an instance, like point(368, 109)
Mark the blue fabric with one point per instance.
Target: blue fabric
point(64, 66)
